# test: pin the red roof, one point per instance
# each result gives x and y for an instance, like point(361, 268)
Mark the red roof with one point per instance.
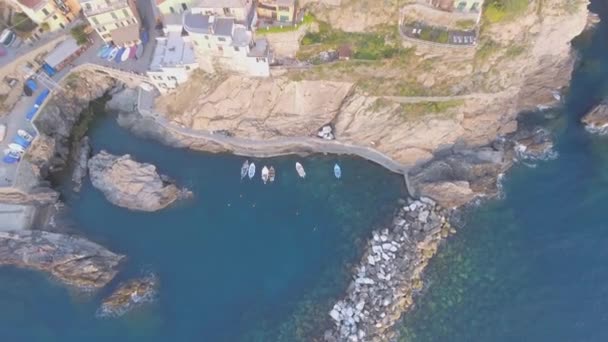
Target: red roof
point(31, 3)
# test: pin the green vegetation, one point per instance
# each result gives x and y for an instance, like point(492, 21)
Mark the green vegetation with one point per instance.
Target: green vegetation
point(23, 23)
point(465, 24)
point(307, 20)
point(515, 50)
point(486, 48)
point(502, 10)
point(79, 33)
point(45, 27)
point(420, 109)
point(365, 46)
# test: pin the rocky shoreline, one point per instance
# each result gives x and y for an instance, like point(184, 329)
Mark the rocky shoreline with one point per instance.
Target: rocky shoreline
point(596, 120)
point(389, 273)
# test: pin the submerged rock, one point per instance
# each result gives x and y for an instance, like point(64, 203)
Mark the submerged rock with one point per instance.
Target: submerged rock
point(534, 144)
point(73, 260)
point(129, 295)
point(129, 184)
point(596, 121)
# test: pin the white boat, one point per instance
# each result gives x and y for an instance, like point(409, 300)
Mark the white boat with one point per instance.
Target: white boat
point(244, 169)
point(16, 148)
point(125, 55)
point(300, 170)
point(25, 135)
point(251, 170)
point(113, 53)
point(337, 171)
point(265, 174)
point(271, 174)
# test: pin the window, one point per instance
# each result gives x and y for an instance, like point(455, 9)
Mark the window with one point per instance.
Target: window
point(45, 11)
point(125, 12)
point(184, 6)
point(284, 9)
point(88, 6)
point(461, 6)
point(95, 21)
point(236, 48)
point(207, 37)
point(172, 78)
point(171, 9)
point(221, 39)
point(226, 11)
point(101, 29)
point(108, 2)
point(114, 16)
point(187, 67)
point(61, 25)
point(55, 17)
point(260, 60)
point(220, 48)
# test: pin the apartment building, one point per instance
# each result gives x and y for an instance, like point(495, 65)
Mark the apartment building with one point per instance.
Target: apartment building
point(115, 21)
point(228, 43)
point(50, 15)
point(243, 11)
point(174, 58)
point(466, 6)
point(281, 11)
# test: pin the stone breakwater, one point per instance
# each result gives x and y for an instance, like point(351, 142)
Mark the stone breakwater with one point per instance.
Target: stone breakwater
point(389, 273)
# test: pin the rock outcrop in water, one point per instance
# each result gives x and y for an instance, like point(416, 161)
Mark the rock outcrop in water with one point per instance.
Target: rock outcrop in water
point(129, 184)
point(72, 260)
point(129, 295)
point(389, 274)
point(596, 121)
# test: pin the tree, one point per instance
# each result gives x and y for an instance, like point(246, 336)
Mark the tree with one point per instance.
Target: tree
point(79, 34)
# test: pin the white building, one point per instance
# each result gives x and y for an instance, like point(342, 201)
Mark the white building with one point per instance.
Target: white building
point(173, 61)
point(224, 42)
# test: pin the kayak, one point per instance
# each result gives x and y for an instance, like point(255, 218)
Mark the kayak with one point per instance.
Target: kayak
point(119, 54)
point(140, 51)
point(251, 170)
point(272, 174)
point(125, 55)
point(112, 54)
point(337, 171)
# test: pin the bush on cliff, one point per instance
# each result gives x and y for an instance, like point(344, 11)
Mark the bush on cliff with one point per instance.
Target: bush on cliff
point(500, 10)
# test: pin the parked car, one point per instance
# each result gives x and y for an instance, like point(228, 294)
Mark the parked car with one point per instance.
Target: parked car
point(2, 132)
point(8, 37)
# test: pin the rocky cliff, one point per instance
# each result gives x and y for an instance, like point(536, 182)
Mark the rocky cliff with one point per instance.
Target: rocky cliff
point(129, 184)
point(596, 121)
point(74, 261)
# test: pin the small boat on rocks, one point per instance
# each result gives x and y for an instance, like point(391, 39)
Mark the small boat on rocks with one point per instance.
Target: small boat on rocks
point(251, 170)
point(337, 171)
point(244, 169)
point(271, 174)
point(265, 174)
point(300, 170)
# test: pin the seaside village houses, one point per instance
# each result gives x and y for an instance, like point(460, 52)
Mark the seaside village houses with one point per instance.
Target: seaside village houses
point(463, 6)
point(208, 34)
point(115, 21)
point(49, 15)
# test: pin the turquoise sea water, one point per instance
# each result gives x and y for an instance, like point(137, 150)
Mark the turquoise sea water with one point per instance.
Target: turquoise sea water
point(533, 266)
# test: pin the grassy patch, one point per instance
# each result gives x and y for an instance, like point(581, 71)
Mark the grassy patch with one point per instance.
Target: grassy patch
point(307, 20)
point(514, 51)
point(487, 48)
point(502, 10)
point(420, 109)
point(379, 104)
point(374, 45)
point(466, 24)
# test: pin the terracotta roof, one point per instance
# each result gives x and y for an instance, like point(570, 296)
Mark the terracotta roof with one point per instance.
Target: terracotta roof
point(33, 4)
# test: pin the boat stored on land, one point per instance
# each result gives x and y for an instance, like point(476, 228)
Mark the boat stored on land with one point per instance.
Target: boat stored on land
point(244, 169)
point(112, 54)
point(265, 174)
point(125, 54)
point(337, 171)
point(2, 132)
point(271, 174)
point(25, 135)
point(251, 172)
point(139, 51)
point(300, 170)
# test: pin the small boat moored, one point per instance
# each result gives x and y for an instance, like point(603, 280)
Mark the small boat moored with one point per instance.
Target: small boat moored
point(271, 174)
point(337, 171)
point(244, 169)
point(125, 54)
point(300, 170)
point(251, 172)
point(265, 174)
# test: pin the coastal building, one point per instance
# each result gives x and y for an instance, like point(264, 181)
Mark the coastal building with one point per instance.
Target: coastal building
point(226, 43)
point(243, 11)
point(115, 21)
point(279, 11)
point(50, 15)
point(173, 61)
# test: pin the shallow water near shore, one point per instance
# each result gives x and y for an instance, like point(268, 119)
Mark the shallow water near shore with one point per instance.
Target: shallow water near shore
point(533, 266)
point(241, 261)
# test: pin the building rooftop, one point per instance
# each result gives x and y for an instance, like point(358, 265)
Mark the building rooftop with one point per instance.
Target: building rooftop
point(197, 23)
point(223, 26)
point(172, 19)
point(286, 2)
point(221, 3)
point(125, 35)
point(240, 36)
point(32, 4)
point(259, 48)
point(172, 50)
